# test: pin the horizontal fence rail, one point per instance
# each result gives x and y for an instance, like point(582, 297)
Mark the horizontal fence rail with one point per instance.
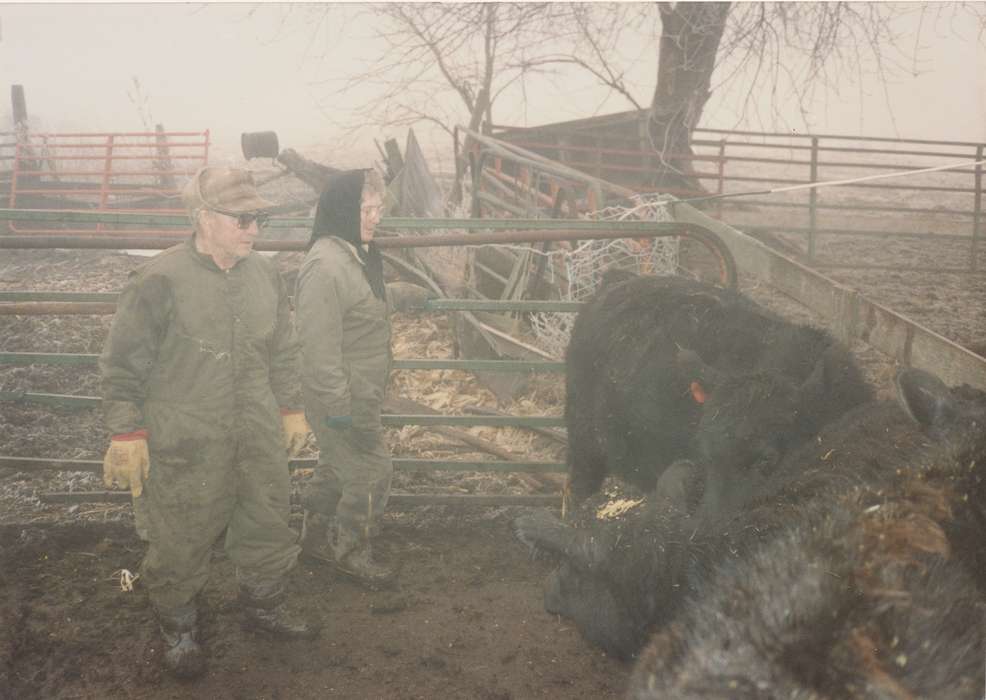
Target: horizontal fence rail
point(396, 501)
point(463, 232)
point(390, 420)
point(46, 358)
point(31, 464)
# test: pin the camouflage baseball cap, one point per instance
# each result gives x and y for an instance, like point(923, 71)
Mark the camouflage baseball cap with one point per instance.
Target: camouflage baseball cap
point(225, 190)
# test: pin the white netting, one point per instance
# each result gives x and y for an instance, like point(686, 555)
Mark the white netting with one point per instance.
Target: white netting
point(576, 272)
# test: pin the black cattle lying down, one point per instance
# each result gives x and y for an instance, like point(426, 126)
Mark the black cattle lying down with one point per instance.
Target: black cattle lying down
point(646, 352)
point(876, 592)
point(832, 609)
point(843, 543)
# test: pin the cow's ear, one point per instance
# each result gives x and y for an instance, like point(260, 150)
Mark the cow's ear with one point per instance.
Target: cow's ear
point(924, 397)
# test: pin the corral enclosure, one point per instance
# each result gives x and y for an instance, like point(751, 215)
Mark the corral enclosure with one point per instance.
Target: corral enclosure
point(912, 242)
point(468, 620)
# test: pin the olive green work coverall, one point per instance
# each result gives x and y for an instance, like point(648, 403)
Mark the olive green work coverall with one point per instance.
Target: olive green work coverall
point(202, 359)
point(345, 360)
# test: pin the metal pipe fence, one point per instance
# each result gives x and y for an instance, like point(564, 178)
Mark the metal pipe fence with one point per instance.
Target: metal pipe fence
point(112, 171)
point(107, 301)
point(467, 232)
point(925, 206)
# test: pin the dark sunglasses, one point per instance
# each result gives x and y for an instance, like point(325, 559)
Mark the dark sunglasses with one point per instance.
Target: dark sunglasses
point(244, 220)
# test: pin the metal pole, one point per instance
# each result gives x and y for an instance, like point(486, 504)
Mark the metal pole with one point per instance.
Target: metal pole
point(13, 179)
point(813, 199)
point(722, 177)
point(37, 308)
point(478, 238)
point(978, 210)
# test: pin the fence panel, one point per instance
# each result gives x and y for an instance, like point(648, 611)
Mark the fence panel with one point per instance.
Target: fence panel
point(943, 206)
point(98, 172)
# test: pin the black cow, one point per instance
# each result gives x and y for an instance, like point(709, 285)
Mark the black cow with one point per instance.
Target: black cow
point(827, 610)
point(620, 580)
point(647, 352)
point(875, 593)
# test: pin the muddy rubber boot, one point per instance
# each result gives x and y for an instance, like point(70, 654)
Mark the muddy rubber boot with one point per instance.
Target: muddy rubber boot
point(265, 609)
point(183, 657)
point(354, 559)
point(316, 535)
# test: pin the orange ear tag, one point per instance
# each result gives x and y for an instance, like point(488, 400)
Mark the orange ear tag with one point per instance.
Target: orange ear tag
point(698, 393)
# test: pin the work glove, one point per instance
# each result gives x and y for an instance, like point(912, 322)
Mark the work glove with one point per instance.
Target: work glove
point(296, 431)
point(406, 296)
point(127, 462)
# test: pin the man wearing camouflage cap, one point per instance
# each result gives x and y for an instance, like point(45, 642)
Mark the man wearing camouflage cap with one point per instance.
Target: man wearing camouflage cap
point(200, 361)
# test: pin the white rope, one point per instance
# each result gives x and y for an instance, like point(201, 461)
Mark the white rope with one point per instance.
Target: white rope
point(835, 183)
point(900, 173)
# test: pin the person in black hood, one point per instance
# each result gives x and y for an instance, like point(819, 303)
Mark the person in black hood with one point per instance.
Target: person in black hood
point(343, 212)
point(342, 317)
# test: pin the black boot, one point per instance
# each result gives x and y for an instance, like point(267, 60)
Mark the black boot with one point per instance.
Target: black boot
point(183, 656)
point(266, 610)
point(316, 534)
point(354, 559)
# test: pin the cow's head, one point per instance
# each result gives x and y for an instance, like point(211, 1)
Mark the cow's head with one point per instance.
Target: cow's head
point(750, 420)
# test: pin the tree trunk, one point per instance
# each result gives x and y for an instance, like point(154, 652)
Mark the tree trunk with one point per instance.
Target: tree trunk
point(690, 36)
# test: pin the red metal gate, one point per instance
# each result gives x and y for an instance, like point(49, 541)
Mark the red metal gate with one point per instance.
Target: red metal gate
point(112, 171)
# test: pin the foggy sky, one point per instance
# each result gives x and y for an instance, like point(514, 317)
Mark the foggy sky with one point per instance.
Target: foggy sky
point(230, 69)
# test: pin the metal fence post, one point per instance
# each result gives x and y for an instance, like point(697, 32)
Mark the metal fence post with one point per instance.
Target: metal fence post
point(720, 185)
point(978, 209)
point(813, 199)
point(13, 178)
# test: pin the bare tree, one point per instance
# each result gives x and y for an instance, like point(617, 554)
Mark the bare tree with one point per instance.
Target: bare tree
point(787, 51)
point(472, 53)
point(446, 63)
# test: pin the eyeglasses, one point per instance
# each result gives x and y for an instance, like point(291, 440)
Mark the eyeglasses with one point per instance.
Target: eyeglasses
point(243, 221)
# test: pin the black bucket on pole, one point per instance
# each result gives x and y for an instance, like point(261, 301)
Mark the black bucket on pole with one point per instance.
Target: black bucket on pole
point(259, 144)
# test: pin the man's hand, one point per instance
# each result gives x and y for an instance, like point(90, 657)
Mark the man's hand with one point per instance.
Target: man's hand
point(127, 462)
point(296, 431)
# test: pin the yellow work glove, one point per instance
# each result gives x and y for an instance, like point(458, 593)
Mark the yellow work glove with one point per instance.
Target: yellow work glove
point(127, 462)
point(296, 431)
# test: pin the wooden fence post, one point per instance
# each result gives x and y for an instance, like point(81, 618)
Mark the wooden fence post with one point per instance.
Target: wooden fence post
point(163, 163)
point(19, 105)
point(107, 181)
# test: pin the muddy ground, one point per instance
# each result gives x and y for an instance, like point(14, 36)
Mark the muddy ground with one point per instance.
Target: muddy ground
point(467, 621)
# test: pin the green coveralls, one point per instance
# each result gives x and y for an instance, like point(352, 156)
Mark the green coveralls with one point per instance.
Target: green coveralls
point(203, 359)
point(345, 363)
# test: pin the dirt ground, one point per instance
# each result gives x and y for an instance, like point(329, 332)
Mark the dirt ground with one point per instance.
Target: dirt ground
point(467, 621)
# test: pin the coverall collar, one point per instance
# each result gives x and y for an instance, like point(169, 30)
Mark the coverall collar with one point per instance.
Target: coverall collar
point(349, 247)
point(205, 259)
